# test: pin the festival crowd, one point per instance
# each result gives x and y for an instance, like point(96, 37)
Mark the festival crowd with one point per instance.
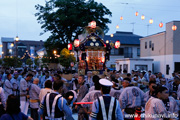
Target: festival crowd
point(45, 94)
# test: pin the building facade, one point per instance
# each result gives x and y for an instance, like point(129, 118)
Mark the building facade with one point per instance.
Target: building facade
point(12, 48)
point(164, 49)
point(129, 48)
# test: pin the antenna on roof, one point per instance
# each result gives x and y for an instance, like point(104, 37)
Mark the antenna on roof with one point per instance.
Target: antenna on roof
point(148, 29)
point(133, 27)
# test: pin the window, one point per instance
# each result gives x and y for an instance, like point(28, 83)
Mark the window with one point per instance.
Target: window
point(125, 67)
point(121, 51)
point(152, 46)
point(113, 65)
point(145, 45)
point(141, 67)
point(167, 69)
point(149, 44)
point(128, 52)
point(138, 51)
point(120, 67)
point(115, 51)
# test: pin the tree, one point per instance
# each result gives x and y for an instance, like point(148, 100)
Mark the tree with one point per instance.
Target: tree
point(29, 62)
point(0, 61)
point(65, 19)
point(36, 61)
point(12, 62)
point(66, 58)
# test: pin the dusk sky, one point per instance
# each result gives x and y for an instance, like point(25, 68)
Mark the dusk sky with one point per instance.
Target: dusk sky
point(27, 27)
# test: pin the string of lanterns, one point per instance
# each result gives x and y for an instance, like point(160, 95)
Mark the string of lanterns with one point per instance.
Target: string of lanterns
point(174, 27)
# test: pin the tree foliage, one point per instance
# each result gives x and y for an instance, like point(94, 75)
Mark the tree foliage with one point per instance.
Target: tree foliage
point(45, 59)
point(12, 62)
point(29, 61)
point(66, 19)
point(66, 58)
point(36, 61)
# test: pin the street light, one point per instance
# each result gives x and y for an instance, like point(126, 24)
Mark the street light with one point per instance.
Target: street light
point(55, 52)
point(17, 39)
point(12, 45)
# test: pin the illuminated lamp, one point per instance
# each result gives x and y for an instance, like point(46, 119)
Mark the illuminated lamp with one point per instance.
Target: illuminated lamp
point(174, 27)
point(160, 24)
point(151, 21)
point(69, 46)
point(76, 43)
point(136, 13)
point(142, 17)
point(117, 44)
point(93, 24)
point(121, 18)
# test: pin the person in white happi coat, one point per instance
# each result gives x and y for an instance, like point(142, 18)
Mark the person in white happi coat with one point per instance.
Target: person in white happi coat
point(115, 90)
point(34, 91)
point(91, 96)
point(88, 79)
point(130, 99)
point(24, 93)
point(75, 81)
point(2, 101)
point(155, 109)
point(15, 83)
point(8, 88)
point(150, 92)
point(45, 78)
point(177, 81)
point(47, 89)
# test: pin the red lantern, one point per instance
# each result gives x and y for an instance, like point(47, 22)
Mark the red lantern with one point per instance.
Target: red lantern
point(160, 24)
point(69, 46)
point(93, 24)
point(136, 14)
point(121, 18)
point(117, 44)
point(76, 43)
point(174, 27)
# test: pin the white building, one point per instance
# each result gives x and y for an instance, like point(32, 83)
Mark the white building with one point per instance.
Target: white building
point(129, 48)
point(134, 64)
point(164, 48)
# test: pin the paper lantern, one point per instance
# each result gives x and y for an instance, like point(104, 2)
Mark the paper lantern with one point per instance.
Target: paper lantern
point(117, 26)
point(54, 51)
point(93, 24)
point(136, 13)
point(76, 43)
point(117, 44)
point(174, 27)
point(121, 18)
point(69, 46)
point(151, 21)
point(160, 24)
point(112, 35)
point(102, 59)
point(107, 41)
point(142, 17)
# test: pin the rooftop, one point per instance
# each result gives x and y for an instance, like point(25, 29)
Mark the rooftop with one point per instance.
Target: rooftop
point(125, 38)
